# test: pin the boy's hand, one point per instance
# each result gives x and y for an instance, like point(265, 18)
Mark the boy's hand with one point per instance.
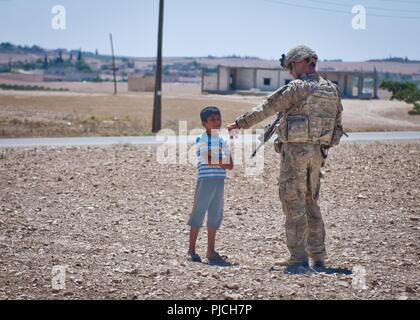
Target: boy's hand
point(213, 158)
point(225, 163)
point(221, 162)
point(233, 127)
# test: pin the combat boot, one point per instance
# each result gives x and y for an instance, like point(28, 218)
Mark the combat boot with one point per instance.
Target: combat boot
point(292, 267)
point(318, 265)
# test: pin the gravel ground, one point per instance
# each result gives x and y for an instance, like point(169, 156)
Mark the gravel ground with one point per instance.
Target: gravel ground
point(116, 220)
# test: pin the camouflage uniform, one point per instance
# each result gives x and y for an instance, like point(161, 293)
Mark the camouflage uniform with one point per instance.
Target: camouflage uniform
point(312, 118)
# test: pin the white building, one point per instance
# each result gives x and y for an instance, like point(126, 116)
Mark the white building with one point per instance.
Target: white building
point(233, 79)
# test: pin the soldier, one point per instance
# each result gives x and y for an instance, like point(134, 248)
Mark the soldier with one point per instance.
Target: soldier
point(310, 125)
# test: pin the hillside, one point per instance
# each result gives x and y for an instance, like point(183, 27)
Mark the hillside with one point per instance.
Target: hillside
point(186, 69)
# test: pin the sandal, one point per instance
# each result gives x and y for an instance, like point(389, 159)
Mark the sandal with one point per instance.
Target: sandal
point(194, 257)
point(218, 260)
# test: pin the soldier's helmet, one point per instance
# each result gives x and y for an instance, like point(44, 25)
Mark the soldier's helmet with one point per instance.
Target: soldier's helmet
point(298, 53)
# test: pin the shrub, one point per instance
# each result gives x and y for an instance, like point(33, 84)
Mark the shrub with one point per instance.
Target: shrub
point(18, 87)
point(404, 91)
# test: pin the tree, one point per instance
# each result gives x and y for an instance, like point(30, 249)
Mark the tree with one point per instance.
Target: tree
point(83, 66)
point(45, 64)
point(404, 91)
point(6, 46)
point(60, 57)
point(36, 49)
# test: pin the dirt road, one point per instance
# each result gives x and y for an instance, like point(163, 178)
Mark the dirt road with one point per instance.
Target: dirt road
point(86, 113)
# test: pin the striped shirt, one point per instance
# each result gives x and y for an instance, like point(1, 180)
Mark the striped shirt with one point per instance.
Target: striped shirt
point(219, 150)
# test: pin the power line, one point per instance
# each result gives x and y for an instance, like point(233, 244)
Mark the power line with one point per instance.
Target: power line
point(367, 7)
point(404, 1)
point(335, 10)
point(304, 6)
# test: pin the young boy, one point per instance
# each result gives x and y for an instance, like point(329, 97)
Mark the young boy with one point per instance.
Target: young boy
point(214, 158)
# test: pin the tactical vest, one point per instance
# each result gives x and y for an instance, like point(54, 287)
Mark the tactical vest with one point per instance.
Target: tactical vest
point(314, 120)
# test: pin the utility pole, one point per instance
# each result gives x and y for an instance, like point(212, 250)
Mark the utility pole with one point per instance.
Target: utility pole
point(157, 107)
point(113, 64)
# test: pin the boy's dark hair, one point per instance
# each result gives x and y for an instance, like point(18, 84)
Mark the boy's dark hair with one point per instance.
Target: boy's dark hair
point(207, 112)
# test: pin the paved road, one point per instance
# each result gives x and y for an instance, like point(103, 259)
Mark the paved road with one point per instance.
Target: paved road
point(151, 140)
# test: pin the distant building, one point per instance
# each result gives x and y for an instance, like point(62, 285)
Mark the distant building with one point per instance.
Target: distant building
point(24, 76)
point(141, 83)
point(69, 74)
point(226, 79)
point(233, 79)
point(354, 84)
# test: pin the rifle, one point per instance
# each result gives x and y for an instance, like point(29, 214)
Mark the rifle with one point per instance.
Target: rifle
point(268, 133)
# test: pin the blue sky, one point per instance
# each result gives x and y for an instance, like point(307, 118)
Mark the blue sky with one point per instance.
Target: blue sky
point(218, 27)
